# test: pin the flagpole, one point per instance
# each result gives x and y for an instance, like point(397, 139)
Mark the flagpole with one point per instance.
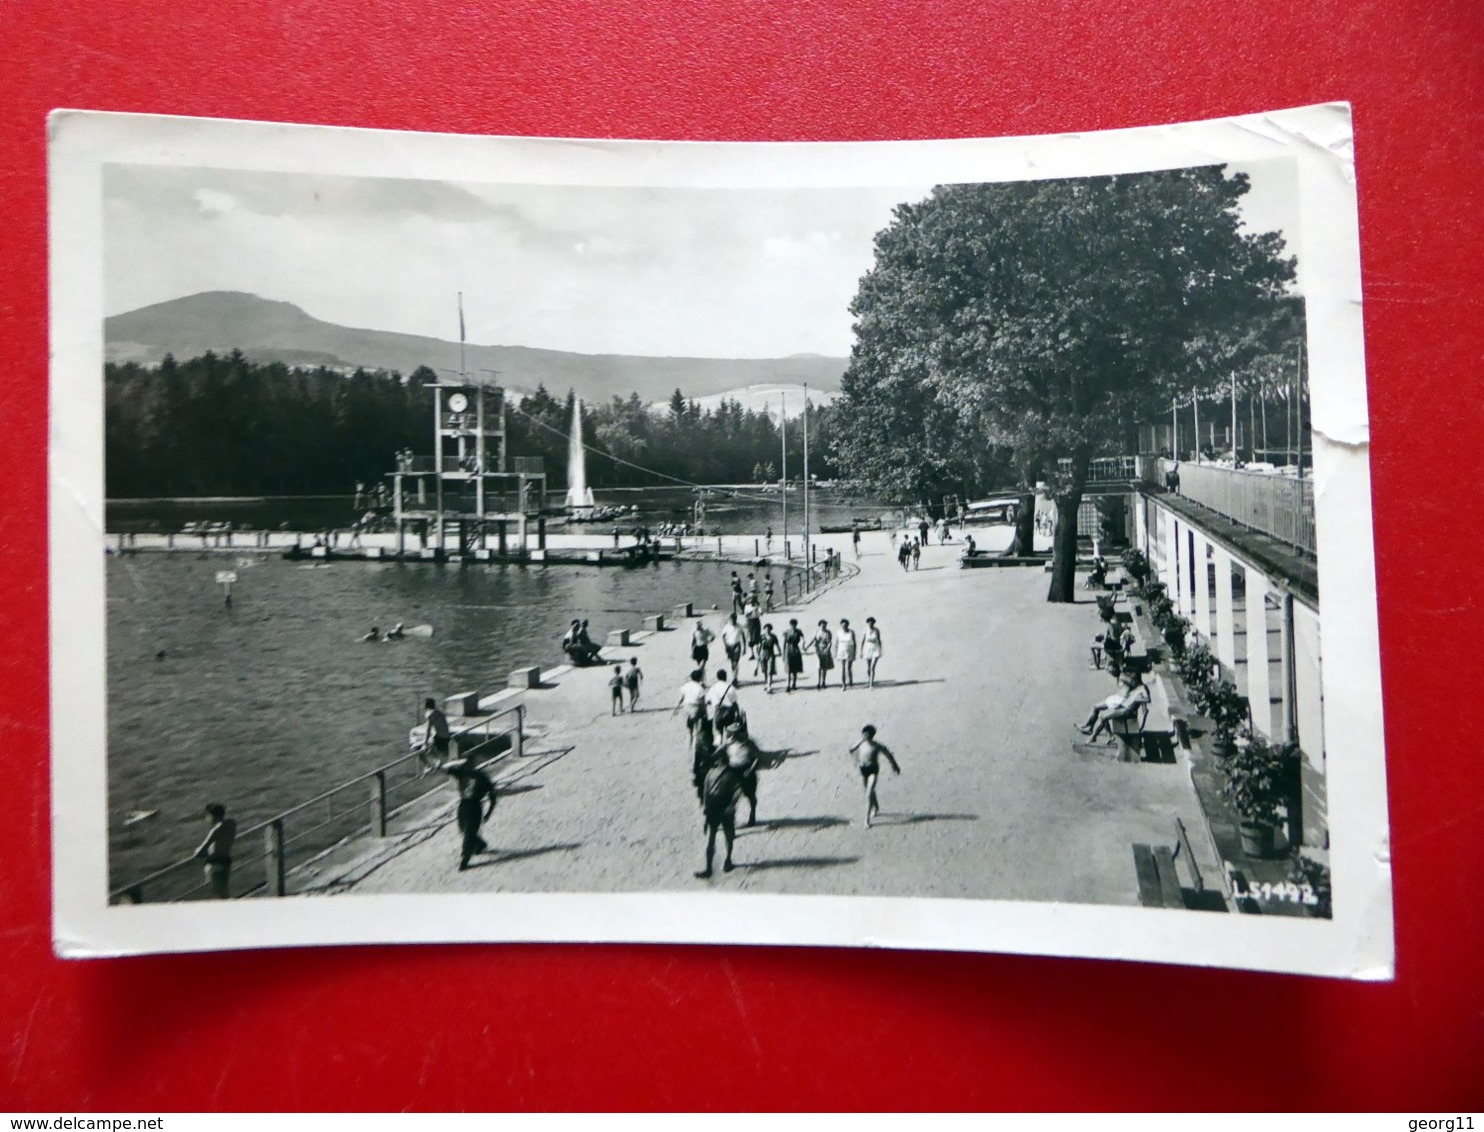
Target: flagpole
point(806, 476)
point(783, 438)
point(1298, 410)
point(462, 372)
point(1234, 420)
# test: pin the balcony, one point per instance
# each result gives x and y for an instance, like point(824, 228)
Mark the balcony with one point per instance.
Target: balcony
point(1279, 506)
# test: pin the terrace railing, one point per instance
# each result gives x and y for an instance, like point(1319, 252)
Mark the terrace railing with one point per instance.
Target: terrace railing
point(361, 806)
point(1275, 505)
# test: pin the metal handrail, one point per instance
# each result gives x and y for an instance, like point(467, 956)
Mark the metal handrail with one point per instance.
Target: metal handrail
point(1279, 506)
point(271, 829)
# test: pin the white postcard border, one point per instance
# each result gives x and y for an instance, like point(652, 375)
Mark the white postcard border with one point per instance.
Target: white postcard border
point(1357, 943)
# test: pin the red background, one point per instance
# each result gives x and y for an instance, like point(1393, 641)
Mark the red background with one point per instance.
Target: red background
point(565, 1026)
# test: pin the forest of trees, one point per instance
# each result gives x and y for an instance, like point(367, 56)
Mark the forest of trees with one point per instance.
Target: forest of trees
point(224, 425)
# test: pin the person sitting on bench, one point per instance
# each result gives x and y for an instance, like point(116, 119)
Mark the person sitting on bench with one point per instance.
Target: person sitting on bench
point(1122, 705)
point(1098, 579)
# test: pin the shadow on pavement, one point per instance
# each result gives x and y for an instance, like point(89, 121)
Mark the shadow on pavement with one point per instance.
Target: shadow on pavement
point(799, 863)
point(501, 856)
point(915, 819)
point(771, 760)
point(503, 790)
point(802, 823)
point(904, 683)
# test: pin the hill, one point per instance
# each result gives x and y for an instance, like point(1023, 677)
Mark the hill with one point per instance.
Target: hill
point(769, 398)
point(268, 331)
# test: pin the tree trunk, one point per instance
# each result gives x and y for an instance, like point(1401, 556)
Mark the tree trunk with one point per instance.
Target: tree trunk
point(1024, 542)
point(1063, 586)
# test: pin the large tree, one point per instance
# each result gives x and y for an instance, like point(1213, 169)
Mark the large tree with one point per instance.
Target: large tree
point(1047, 318)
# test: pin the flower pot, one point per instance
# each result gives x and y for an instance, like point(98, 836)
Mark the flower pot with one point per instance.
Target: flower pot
point(1259, 839)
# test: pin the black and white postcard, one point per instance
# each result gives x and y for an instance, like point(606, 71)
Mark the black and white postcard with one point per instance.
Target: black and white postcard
point(936, 544)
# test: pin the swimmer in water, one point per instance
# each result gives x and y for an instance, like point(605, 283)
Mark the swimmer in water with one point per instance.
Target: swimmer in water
point(395, 633)
point(373, 635)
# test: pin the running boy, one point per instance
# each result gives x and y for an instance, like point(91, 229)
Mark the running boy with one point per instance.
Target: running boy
point(868, 754)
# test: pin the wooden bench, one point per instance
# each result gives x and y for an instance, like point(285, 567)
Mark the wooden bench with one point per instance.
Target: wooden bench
point(1128, 732)
point(1159, 887)
point(1158, 877)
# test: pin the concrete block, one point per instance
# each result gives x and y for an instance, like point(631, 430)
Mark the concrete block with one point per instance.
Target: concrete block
point(428, 553)
point(463, 703)
point(655, 623)
point(373, 552)
point(538, 554)
point(684, 611)
point(529, 677)
point(482, 554)
point(618, 637)
point(319, 552)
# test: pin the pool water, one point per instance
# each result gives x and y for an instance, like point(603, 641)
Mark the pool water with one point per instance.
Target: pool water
point(274, 700)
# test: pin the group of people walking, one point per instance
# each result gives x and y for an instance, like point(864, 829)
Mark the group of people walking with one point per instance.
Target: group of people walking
point(760, 643)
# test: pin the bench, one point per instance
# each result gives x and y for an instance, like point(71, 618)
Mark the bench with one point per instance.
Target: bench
point(1158, 876)
point(1159, 887)
point(1128, 733)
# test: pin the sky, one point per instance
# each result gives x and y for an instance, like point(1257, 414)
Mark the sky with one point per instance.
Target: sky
point(734, 273)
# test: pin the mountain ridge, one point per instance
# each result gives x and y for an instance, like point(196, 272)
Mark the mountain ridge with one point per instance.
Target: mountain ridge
point(268, 330)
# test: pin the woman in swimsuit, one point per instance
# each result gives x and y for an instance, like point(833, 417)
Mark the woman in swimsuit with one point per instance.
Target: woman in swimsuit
point(793, 653)
point(823, 647)
point(847, 644)
point(871, 651)
point(767, 655)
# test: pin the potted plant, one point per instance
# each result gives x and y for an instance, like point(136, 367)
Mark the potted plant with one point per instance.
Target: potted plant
point(1226, 708)
point(1314, 877)
point(1257, 776)
point(1136, 565)
point(1173, 631)
point(1195, 668)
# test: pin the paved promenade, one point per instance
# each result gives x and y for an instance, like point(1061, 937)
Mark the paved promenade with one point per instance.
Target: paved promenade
point(981, 683)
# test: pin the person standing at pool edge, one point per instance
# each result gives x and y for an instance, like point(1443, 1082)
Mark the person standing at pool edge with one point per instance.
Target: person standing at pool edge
point(435, 738)
point(216, 850)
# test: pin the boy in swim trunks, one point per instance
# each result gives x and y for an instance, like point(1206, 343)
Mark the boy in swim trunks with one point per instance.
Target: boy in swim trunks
point(868, 754)
point(615, 690)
